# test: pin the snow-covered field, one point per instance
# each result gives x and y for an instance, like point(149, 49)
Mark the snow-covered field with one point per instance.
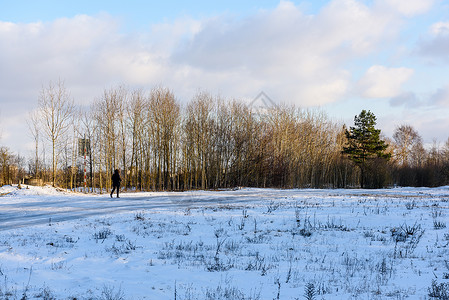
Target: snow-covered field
point(243, 244)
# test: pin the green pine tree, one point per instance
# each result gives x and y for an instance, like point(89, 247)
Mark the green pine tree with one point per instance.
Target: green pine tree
point(364, 143)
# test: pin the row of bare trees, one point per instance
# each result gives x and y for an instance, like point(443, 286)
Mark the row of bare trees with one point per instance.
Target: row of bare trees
point(413, 164)
point(12, 167)
point(160, 145)
point(209, 143)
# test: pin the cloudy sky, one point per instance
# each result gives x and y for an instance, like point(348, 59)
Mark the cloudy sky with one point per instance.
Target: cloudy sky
point(388, 56)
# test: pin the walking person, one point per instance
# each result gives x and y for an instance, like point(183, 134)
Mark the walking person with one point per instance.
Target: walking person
point(116, 182)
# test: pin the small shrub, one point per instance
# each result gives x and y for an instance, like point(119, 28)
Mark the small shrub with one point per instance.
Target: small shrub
point(109, 293)
point(227, 292)
point(305, 232)
point(46, 294)
point(139, 216)
point(405, 231)
point(241, 226)
point(70, 240)
point(439, 291)
point(409, 237)
point(436, 212)
point(309, 291)
point(411, 230)
point(126, 248)
point(439, 225)
point(216, 265)
point(120, 238)
point(102, 234)
point(369, 234)
point(58, 265)
point(273, 206)
point(410, 205)
point(331, 224)
point(257, 264)
point(130, 246)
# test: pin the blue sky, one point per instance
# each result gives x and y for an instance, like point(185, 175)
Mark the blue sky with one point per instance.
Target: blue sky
point(134, 15)
point(388, 56)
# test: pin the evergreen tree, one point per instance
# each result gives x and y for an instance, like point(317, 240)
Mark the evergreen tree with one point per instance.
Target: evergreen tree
point(364, 143)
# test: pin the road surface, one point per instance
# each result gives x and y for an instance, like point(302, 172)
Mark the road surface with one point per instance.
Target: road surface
point(36, 206)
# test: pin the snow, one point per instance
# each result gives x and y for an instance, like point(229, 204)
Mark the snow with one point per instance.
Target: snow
point(242, 244)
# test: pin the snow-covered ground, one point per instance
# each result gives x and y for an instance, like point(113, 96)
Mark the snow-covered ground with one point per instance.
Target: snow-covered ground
point(243, 244)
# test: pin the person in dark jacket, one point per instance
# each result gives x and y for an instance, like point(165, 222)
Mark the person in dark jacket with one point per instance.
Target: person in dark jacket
point(116, 182)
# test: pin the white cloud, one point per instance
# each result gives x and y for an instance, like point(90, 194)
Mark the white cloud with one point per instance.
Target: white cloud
point(440, 28)
point(430, 123)
point(407, 99)
point(293, 57)
point(300, 57)
point(441, 97)
point(436, 44)
point(383, 82)
point(408, 8)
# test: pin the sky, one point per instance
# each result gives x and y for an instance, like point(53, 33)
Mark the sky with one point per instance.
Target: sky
point(340, 56)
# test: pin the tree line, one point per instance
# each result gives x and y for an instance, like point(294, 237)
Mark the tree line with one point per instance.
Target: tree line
point(213, 143)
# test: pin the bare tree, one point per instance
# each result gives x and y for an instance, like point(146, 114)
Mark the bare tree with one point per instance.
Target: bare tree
point(137, 125)
point(88, 129)
point(6, 161)
point(222, 143)
point(111, 136)
point(445, 151)
point(164, 121)
point(408, 145)
point(122, 133)
point(33, 122)
point(199, 128)
point(56, 108)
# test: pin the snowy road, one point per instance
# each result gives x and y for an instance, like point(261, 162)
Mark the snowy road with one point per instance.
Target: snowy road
point(35, 207)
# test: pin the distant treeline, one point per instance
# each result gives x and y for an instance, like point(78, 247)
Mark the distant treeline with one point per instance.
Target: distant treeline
point(210, 143)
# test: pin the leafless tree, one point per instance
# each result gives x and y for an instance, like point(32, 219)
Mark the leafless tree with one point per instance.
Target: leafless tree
point(33, 123)
point(108, 112)
point(445, 151)
point(408, 145)
point(199, 134)
point(137, 127)
point(164, 121)
point(56, 108)
point(6, 163)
